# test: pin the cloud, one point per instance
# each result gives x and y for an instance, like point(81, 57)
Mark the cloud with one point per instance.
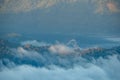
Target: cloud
point(109, 6)
point(58, 47)
point(57, 67)
point(112, 7)
point(22, 53)
point(28, 5)
point(35, 43)
point(16, 6)
point(61, 49)
point(60, 54)
point(101, 69)
point(100, 5)
point(13, 35)
point(113, 39)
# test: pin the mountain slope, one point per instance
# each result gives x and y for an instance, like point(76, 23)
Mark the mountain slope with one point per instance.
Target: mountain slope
point(43, 57)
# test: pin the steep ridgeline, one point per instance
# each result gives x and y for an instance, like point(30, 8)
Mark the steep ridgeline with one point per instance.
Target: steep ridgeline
point(15, 54)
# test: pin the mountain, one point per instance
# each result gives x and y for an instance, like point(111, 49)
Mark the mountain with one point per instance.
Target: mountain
point(41, 56)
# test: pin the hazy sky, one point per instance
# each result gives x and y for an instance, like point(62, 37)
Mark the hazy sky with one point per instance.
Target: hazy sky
point(60, 16)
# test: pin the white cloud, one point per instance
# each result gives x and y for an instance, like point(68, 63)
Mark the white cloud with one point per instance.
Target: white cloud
point(102, 69)
point(114, 39)
point(35, 43)
point(61, 49)
point(98, 69)
point(22, 53)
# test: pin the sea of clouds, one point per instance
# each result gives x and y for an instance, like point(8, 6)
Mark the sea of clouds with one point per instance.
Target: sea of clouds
point(101, 69)
point(98, 69)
